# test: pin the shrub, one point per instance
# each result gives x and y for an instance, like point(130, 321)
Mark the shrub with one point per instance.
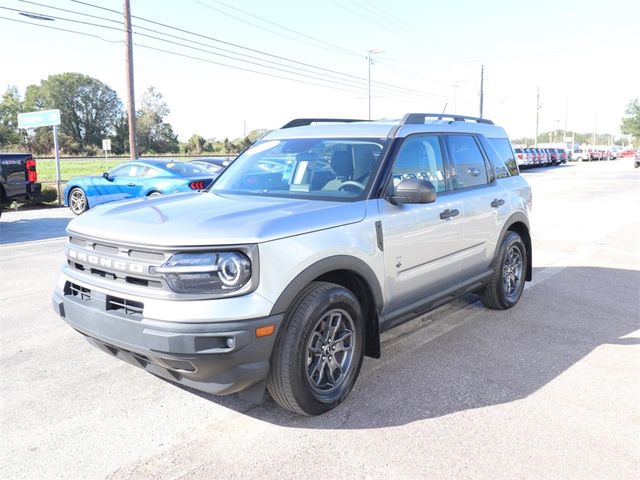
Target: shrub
point(49, 195)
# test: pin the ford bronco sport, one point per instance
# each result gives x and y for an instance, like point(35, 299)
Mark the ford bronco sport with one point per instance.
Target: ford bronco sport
point(316, 239)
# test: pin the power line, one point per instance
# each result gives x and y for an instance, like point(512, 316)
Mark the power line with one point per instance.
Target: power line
point(334, 81)
point(366, 17)
point(362, 12)
point(387, 16)
point(97, 6)
point(409, 72)
point(322, 43)
point(518, 56)
point(217, 40)
point(306, 36)
point(189, 40)
point(72, 11)
point(65, 19)
point(61, 29)
point(349, 89)
point(360, 79)
point(353, 81)
point(183, 55)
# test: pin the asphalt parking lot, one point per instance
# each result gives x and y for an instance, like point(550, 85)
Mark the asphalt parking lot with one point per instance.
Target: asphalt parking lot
point(548, 389)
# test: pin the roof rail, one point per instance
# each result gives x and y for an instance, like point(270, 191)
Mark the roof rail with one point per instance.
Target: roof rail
point(301, 122)
point(419, 118)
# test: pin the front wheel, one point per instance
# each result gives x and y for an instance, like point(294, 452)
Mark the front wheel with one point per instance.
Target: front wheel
point(319, 351)
point(509, 270)
point(78, 201)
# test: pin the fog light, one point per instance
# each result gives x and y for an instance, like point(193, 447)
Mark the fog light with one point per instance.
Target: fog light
point(231, 342)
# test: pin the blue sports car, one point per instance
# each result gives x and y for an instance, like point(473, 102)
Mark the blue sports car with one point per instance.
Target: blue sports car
point(135, 179)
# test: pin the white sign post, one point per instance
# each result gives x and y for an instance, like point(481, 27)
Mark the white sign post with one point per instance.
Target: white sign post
point(106, 146)
point(45, 118)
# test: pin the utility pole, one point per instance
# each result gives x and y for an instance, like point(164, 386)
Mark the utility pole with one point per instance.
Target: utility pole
point(131, 101)
point(481, 89)
point(456, 84)
point(369, 85)
point(369, 63)
point(595, 127)
point(538, 107)
point(566, 121)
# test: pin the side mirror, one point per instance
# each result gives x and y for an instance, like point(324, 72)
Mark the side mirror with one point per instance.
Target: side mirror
point(105, 175)
point(413, 190)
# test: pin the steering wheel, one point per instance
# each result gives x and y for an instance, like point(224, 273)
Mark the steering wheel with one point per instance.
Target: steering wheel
point(352, 183)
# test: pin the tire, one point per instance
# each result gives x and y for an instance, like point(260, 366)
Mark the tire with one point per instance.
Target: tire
point(154, 194)
point(302, 378)
point(509, 271)
point(78, 201)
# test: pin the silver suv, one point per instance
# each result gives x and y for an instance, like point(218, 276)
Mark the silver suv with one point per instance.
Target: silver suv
point(316, 239)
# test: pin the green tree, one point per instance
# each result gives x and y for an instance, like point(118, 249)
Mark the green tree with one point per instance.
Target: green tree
point(195, 144)
point(631, 120)
point(154, 135)
point(120, 139)
point(255, 135)
point(10, 107)
point(88, 108)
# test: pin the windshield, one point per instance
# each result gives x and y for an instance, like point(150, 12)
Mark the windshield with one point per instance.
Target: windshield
point(314, 168)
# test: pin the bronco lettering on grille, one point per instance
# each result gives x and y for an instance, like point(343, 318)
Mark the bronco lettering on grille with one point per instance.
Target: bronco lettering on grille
point(106, 262)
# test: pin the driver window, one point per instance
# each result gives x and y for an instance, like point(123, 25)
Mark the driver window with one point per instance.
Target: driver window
point(420, 157)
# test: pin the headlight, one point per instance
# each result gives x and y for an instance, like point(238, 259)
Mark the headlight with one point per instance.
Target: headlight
point(206, 272)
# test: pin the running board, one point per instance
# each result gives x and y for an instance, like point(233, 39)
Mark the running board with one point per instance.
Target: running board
point(422, 306)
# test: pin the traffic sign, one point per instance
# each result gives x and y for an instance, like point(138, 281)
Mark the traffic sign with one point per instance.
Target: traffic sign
point(42, 118)
point(106, 144)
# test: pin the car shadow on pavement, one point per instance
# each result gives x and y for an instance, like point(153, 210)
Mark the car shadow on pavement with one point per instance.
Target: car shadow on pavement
point(32, 229)
point(489, 358)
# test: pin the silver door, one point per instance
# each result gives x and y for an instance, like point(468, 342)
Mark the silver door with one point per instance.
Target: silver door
point(485, 201)
point(421, 241)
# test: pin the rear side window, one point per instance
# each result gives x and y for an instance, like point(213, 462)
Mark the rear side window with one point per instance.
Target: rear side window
point(507, 158)
point(468, 166)
point(495, 158)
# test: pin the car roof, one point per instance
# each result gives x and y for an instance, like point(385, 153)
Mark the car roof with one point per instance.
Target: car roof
point(216, 160)
point(157, 162)
point(389, 128)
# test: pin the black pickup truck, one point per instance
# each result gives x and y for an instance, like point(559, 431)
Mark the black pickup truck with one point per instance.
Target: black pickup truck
point(18, 177)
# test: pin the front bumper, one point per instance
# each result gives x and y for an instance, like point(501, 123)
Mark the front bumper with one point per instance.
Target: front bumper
point(216, 357)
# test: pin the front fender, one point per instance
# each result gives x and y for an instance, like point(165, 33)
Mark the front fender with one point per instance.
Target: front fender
point(322, 267)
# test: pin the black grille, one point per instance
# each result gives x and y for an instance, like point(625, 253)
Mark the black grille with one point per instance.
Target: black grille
point(128, 307)
point(74, 290)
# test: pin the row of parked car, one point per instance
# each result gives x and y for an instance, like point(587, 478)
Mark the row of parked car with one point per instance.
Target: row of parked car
point(540, 157)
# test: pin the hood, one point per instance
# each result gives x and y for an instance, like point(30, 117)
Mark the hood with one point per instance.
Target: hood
point(199, 219)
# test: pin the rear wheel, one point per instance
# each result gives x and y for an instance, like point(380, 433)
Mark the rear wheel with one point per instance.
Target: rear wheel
point(78, 201)
point(319, 351)
point(509, 270)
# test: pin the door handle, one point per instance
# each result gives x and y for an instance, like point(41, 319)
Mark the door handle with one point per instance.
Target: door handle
point(497, 202)
point(447, 214)
point(131, 184)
